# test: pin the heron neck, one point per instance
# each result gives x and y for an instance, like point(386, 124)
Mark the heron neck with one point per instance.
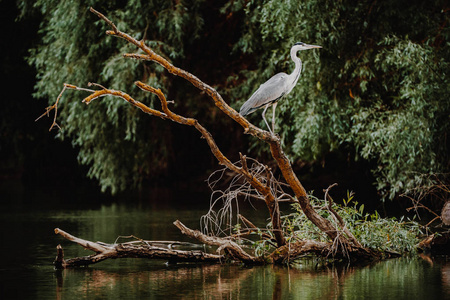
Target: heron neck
point(298, 68)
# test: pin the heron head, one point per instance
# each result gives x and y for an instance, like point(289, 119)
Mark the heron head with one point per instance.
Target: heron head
point(302, 46)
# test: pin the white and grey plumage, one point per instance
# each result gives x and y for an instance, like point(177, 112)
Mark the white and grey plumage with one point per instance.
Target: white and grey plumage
point(276, 87)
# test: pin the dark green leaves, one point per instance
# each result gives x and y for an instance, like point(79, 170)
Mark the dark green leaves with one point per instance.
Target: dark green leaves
point(378, 89)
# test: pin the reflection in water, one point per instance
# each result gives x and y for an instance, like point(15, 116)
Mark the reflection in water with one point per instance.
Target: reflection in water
point(444, 264)
point(446, 278)
point(277, 292)
point(394, 279)
point(223, 282)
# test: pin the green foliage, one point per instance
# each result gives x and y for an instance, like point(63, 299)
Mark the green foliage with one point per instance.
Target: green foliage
point(117, 141)
point(261, 245)
point(370, 230)
point(378, 89)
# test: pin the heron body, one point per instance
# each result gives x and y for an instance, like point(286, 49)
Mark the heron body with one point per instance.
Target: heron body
point(279, 85)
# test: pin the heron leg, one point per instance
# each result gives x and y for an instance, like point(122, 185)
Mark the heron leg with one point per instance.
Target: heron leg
point(264, 117)
point(273, 116)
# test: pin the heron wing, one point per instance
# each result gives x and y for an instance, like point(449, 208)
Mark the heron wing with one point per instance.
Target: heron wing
point(268, 92)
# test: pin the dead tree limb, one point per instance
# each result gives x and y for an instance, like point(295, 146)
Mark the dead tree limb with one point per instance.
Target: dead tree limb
point(128, 250)
point(291, 178)
point(292, 251)
point(232, 249)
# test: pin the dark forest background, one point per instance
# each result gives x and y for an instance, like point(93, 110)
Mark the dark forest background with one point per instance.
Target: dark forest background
point(370, 112)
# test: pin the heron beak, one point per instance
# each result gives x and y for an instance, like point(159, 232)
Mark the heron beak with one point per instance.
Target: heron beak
point(311, 46)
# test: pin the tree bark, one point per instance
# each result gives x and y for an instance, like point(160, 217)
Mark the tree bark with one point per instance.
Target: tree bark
point(436, 244)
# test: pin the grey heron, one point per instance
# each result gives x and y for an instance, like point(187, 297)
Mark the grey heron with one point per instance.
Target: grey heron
point(279, 85)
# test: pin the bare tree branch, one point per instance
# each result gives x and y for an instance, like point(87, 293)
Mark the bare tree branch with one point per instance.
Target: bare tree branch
point(219, 102)
point(230, 247)
point(136, 249)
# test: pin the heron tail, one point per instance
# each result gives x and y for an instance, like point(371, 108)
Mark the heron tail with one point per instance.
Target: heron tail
point(246, 109)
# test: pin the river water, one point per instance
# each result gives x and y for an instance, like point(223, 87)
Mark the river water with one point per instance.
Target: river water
point(28, 218)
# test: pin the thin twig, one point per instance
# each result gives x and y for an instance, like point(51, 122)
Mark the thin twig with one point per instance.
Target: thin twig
point(101, 16)
point(96, 84)
point(55, 107)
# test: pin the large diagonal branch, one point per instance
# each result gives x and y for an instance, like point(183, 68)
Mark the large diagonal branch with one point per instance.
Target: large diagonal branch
point(291, 178)
point(274, 141)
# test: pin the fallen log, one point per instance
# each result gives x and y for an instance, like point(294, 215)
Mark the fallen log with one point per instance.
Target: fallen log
point(135, 249)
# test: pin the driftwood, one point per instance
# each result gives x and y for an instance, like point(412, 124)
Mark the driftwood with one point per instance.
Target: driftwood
point(134, 249)
point(354, 254)
point(231, 248)
point(146, 249)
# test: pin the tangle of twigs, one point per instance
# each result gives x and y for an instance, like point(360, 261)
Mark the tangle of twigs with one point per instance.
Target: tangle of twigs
point(435, 190)
point(223, 213)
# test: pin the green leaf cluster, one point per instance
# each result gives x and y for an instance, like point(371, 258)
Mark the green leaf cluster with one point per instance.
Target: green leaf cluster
point(372, 231)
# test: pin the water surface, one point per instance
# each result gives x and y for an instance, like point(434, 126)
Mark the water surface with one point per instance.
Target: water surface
point(28, 249)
